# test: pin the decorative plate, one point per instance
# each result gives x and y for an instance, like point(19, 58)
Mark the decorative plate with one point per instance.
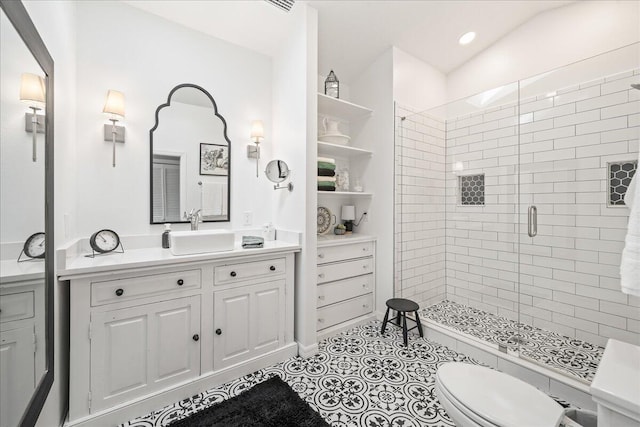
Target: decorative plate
point(324, 220)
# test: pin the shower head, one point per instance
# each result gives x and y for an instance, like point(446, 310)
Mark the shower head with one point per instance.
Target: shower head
point(635, 85)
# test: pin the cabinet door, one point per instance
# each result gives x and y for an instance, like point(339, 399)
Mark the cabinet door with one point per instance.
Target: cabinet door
point(17, 377)
point(248, 321)
point(142, 349)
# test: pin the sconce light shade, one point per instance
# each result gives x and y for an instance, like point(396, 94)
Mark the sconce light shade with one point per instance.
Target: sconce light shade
point(32, 90)
point(257, 131)
point(348, 213)
point(114, 104)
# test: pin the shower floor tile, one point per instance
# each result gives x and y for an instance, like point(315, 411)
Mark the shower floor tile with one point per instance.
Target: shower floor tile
point(358, 378)
point(572, 356)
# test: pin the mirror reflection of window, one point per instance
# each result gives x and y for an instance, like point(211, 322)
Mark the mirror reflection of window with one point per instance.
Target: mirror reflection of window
point(166, 188)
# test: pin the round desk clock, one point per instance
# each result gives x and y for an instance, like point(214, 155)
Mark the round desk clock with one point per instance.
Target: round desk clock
point(104, 241)
point(34, 246)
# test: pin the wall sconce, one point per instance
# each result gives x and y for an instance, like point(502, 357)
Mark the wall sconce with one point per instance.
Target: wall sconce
point(257, 135)
point(114, 107)
point(32, 92)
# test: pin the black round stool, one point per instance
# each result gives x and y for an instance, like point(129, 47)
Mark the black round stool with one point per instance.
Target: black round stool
point(402, 307)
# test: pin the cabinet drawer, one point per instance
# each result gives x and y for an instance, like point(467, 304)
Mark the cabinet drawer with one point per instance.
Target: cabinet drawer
point(342, 252)
point(237, 272)
point(343, 270)
point(143, 286)
point(341, 290)
point(343, 311)
point(16, 306)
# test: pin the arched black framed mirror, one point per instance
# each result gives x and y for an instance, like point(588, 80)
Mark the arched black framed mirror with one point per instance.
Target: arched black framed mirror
point(190, 159)
point(26, 212)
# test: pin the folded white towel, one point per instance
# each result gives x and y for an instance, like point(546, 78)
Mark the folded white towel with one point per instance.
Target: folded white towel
point(327, 160)
point(630, 265)
point(327, 178)
point(213, 199)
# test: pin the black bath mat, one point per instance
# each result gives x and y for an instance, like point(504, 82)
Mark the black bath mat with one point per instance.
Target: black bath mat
point(271, 403)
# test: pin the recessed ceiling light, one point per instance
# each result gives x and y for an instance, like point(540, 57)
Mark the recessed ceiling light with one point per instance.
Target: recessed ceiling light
point(467, 38)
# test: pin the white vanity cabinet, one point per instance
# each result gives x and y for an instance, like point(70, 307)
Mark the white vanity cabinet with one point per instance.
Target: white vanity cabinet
point(142, 349)
point(346, 283)
point(142, 338)
point(248, 321)
point(22, 360)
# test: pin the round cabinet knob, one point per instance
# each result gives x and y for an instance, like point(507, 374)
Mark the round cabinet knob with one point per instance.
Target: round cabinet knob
point(321, 320)
point(364, 285)
point(320, 255)
point(272, 268)
point(365, 305)
point(119, 292)
point(321, 275)
point(364, 249)
point(180, 282)
point(365, 266)
point(233, 274)
point(218, 331)
point(321, 297)
point(196, 337)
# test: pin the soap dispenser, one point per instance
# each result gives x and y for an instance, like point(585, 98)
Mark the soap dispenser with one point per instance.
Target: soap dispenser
point(269, 232)
point(166, 243)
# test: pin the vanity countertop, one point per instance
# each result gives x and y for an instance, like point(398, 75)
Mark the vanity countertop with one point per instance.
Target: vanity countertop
point(13, 271)
point(81, 265)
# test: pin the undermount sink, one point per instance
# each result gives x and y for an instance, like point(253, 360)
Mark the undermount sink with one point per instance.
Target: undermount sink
point(201, 241)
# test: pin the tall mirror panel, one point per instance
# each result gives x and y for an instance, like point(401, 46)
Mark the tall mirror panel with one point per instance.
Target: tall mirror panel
point(25, 270)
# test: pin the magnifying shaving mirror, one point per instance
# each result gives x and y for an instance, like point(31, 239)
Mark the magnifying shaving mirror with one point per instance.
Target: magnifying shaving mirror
point(277, 171)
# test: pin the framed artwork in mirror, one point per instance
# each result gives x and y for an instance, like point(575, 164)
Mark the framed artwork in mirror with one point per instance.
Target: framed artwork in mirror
point(214, 159)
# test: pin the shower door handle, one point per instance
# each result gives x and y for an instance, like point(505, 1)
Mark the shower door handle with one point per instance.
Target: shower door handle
point(532, 226)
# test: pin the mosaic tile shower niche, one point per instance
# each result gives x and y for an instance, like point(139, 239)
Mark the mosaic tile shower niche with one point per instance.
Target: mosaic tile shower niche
point(620, 176)
point(471, 189)
point(567, 146)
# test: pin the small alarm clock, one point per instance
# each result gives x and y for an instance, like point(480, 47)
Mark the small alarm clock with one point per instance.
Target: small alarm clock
point(34, 246)
point(103, 241)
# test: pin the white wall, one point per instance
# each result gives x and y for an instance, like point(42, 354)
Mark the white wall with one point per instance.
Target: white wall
point(416, 84)
point(552, 39)
point(145, 57)
point(294, 140)
point(374, 90)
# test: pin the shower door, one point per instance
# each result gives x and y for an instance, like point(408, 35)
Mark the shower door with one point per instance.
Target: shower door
point(578, 148)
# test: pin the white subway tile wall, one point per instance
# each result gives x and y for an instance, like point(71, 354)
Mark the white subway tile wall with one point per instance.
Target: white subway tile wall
point(568, 275)
point(420, 207)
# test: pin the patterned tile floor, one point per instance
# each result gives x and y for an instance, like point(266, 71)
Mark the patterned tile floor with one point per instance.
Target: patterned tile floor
point(358, 378)
point(571, 356)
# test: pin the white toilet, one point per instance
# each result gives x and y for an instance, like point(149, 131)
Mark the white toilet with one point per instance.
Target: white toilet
point(476, 395)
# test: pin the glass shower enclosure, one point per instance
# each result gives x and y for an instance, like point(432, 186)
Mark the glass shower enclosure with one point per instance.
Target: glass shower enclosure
point(510, 217)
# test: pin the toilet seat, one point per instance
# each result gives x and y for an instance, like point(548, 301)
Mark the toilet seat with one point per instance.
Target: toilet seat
point(492, 398)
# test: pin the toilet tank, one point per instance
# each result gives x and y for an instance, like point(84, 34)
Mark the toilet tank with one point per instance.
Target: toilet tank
point(616, 385)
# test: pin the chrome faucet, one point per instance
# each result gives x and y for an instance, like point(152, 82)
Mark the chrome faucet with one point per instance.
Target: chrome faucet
point(194, 217)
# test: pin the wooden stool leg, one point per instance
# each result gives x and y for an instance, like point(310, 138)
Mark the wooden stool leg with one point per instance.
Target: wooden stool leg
point(384, 322)
point(419, 324)
point(398, 316)
point(404, 329)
